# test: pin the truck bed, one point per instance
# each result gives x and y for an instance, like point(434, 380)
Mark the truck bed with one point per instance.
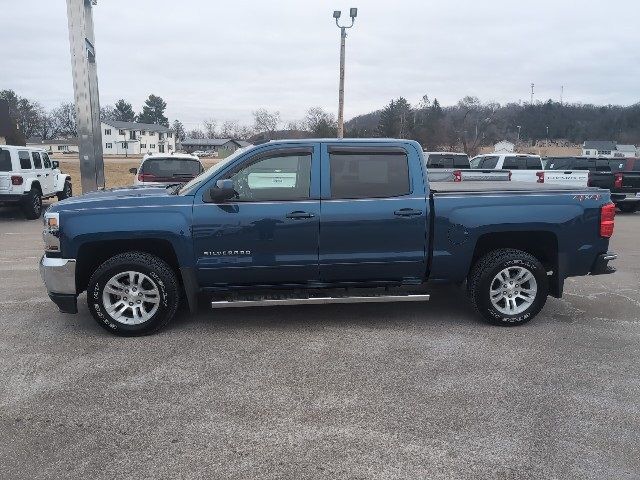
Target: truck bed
point(496, 187)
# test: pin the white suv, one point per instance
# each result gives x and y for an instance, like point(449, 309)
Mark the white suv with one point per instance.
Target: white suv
point(161, 169)
point(27, 176)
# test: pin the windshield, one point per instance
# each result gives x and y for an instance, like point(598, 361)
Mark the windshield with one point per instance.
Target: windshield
point(169, 169)
point(193, 185)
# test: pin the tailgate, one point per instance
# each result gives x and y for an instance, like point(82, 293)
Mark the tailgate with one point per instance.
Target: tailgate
point(485, 175)
point(631, 180)
point(578, 178)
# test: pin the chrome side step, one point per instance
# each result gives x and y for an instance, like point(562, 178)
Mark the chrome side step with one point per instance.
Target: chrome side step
point(317, 301)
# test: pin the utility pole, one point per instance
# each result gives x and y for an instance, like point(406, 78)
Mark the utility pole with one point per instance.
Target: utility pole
point(353, 13)
point(532, 85)
point(561, 93)
point(85, 87)
point(518, 127)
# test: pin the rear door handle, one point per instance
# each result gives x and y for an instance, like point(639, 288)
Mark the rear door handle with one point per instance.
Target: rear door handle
point(407, 212)
point(299, 214)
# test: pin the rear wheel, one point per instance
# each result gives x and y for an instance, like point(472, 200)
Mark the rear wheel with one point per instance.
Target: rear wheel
point(133, 293)
point(627, 208)
point(508, 287)
point(66, 191)
point(32, 206)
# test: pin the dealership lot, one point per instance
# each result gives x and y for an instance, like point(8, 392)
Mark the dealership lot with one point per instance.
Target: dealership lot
point(337, 391)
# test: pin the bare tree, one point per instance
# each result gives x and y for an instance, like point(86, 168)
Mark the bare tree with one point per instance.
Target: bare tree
point(265, 121)
point(233, 129)
point(210, 128)
point(196, 133)
point(320, 123)
point(64, 119)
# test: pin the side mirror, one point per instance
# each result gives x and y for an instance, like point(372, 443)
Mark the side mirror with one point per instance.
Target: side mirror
point(55, 164)
point(221, 192)
point(133, 170)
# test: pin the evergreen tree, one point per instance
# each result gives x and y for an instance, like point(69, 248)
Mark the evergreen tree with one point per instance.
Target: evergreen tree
point(153, 111)
point(123, 112)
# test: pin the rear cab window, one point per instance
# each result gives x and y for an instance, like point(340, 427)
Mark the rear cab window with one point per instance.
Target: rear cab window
point(356, 175)
point(25, 160)
point(170, 169)
point(443, 160)
point(522, 163)
point(488, 162)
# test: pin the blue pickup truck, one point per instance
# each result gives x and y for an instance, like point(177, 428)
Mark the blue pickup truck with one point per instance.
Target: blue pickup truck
point(320, 221)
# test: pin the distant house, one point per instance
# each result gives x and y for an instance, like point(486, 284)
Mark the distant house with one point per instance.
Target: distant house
point(131, 138)
point(597, 148)
point(223, 146)
point(625, 151)
point(57, 145)
point(504, 146)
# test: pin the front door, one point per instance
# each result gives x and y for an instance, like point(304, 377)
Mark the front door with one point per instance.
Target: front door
point(374, 214)
point(268, 234)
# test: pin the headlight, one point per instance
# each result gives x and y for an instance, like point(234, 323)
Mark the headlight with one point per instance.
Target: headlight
point(50, 234)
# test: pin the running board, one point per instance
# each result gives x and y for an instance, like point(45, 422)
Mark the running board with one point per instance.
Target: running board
point(318, 301)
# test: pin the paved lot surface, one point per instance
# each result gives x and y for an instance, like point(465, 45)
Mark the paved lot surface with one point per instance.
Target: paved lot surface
point(369, 391)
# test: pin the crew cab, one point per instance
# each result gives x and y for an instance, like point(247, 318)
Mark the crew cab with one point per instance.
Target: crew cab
point(27, 176)
point(529, 168)
point(161, 169)
point(455, 167)
point(359, 222)
point(621, 176)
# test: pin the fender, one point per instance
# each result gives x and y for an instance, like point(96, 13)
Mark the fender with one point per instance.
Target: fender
point(28, 184)
point(59, 182)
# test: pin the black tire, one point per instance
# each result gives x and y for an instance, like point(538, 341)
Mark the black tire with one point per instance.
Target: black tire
point(32, 205)
point(66, 191)
point(158, 272)
point(627, 208)
point(483, 275)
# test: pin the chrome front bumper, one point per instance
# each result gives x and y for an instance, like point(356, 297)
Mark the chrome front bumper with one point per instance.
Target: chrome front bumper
point(58, 275)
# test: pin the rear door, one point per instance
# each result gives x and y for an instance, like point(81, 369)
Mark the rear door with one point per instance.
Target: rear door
point(43, 175)
point(373, 214)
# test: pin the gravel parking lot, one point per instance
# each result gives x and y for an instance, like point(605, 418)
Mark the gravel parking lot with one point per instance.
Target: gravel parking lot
point(351, 391)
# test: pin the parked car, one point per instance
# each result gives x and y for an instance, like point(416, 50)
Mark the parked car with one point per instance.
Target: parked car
point(529, 168)
point(162, 169)
point(361, 222)
point(455, 167)
point(619, 175)
point(27, 176)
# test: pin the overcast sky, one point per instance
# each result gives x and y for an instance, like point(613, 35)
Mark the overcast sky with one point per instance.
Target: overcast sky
point(224, 59)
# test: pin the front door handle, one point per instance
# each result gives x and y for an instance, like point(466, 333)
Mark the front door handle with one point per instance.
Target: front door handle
point(407, 212)
point(298, 214)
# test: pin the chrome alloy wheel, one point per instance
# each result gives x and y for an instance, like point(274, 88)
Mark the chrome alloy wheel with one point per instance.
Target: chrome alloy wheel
point(513, 290)
point(131, 297)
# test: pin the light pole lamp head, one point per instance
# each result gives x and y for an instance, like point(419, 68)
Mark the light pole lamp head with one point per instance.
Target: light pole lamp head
point(336, 14)
point(353, 12)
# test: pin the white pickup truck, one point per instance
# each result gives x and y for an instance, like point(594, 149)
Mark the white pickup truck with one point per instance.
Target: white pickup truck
point(27, 176)
point(455, 167)
point(529, 168)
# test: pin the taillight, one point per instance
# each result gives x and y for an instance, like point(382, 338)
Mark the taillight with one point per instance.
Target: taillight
point(457, 176)
point(510, 173)
point(617, 183)
point(16, 180)
point(607, 216)
point(146, 177)
point(540, 176)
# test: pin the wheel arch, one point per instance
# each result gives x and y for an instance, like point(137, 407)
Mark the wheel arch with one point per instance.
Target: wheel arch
point(542, 244)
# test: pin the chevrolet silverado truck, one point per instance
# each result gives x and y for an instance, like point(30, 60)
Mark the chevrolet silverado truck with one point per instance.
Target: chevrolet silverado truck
point(316, 222)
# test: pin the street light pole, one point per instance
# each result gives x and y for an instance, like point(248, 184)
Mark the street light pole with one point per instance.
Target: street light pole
point(518, 127)
point(343, 35)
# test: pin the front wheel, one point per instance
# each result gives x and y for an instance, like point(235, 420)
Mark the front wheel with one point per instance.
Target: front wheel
point(508, 287)
point(133, 293)
point(66, 191)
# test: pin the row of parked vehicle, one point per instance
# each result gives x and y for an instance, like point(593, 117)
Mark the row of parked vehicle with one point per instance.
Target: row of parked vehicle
point(619, 175)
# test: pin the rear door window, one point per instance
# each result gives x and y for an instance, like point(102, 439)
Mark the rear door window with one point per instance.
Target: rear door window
point(25, 160)
point(37, 160)
point(369, 175)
